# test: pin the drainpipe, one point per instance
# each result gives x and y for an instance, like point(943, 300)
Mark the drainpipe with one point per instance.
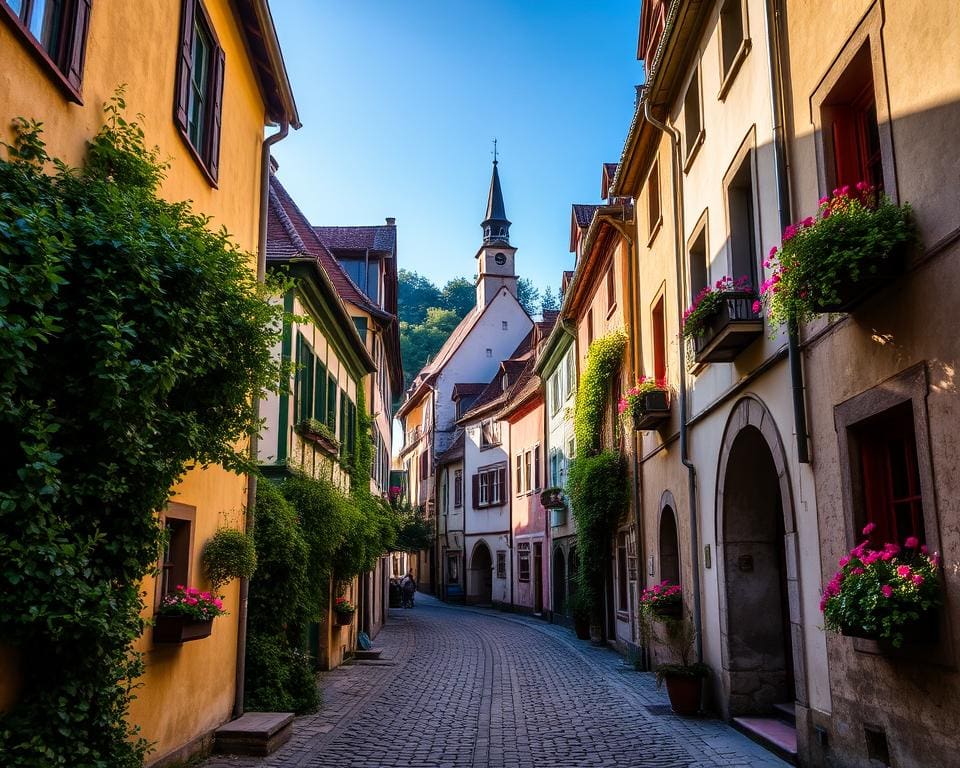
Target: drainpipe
point(250, 517)
point(674, 137)
point(771, 20)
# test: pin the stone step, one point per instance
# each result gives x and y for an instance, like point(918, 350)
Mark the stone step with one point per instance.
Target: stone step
point(255, 733)
point(771, 733)
point(361, 655)
point(787, 711)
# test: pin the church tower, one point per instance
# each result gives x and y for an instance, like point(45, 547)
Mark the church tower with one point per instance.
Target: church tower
point(495, 259)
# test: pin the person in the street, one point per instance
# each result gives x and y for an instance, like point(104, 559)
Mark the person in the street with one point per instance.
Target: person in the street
point(409, 587)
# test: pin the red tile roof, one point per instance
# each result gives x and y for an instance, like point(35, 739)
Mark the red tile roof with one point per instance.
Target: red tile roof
point(381, 238)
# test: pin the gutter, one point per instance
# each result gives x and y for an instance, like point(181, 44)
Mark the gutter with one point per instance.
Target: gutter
point(250, 514)
point(674, 137)
point(772, 19)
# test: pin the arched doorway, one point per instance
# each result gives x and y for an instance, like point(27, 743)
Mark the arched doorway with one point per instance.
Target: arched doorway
point(559, 582)
point(573, 564)
point(480, 587)
point(669, 547)
point(756, 530)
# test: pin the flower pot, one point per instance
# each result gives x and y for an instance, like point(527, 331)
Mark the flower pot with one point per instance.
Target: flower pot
point(552, 498)
point(732, 329)
point(581, 626)
point(874, 276)
point(684, 692)
point(344, 618)
point(180, 629)
point(669, 611)
point(653, 411)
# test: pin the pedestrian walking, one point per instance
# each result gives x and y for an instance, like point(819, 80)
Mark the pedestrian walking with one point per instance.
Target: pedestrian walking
point(408, 586)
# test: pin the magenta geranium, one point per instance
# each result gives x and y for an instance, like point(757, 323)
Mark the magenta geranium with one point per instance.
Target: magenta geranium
point(707, 303)
point(191, 603)
point(663, 600)
point(633, 398)
point(880, 593)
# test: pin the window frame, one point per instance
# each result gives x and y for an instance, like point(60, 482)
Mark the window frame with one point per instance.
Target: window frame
point(744, 161)
point(457, 488)
point(495, 435)
point(524, 558)
point(184, 513)
point(207, 157)
point(65, 66)
point(728, 72)
point(611, 279)
point(692, 144)
point(501, 564)
point(658, 330)
point(652, 186)
point(700, 229)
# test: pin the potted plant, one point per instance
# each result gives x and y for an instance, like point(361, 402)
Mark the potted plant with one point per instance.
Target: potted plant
point(228, 554)
point(315, 431)
point(553, 498)
point(646, 403)
point(683, 677)
point(186, 614)
point(343, 610)
point(722, 320)
point(889, 595)
point(830, 262)
point(663, 601)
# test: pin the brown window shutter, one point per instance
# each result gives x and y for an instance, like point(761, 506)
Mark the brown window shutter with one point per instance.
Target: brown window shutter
point(502, 473)
point(476, 491)
point(184, 64)
point(77, 43)
point(213, 161)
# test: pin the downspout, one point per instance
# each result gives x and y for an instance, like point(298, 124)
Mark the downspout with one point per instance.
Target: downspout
point(684, 436)
point(773, 15)
point(250, 516)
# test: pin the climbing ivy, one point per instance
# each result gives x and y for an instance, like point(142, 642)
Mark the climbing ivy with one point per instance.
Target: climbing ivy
point(597, 480)
point(133, 342)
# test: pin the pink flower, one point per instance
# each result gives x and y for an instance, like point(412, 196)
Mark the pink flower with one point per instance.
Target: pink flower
point(857, 571)
point(923, 549)
point(887, 590)
point(191, 601)
point(824, 200)
point(911, 542)
point(773, 252)
point(869, 528)
point(756, 307)
point(843, 561)
point(917, 579)
point(903, 571)
point(826, 213)
point(808, 222)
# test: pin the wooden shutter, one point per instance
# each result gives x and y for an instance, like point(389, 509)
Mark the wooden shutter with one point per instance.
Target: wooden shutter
point(213, 147)
point(536, 469)
point(77, 43)
point(320, 393)
point(502, 474)
point(184, 65)
point(475, 500)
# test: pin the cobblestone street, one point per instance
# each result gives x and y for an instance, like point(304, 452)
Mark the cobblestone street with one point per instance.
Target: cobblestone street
point(470, 687)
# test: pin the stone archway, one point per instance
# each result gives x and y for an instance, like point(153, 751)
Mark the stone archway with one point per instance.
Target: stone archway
point(480, 583)
point(761, 621)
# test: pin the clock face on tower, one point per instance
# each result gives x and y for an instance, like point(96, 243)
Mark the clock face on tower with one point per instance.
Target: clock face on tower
point(500, 258)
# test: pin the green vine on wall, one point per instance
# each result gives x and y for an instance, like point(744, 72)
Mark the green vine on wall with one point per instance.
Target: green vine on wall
point(597, 481)
point(133, 342)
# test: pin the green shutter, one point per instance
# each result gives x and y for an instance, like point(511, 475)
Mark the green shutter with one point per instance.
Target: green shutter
point(343, 424)
point(304, 405)
point(331, 402)
point(320, 393)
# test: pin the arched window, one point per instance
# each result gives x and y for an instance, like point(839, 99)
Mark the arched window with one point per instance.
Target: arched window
point(669, 547)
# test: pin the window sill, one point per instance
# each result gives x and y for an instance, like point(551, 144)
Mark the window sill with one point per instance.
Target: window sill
point(197, 159)
point(731, 75)
point(693, 151)
point(655, 230)
point(40, 55)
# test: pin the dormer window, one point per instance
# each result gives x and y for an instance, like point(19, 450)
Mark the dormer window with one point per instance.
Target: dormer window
point(505, 382)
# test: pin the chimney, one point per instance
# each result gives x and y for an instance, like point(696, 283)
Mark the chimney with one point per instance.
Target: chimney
point(391, 221)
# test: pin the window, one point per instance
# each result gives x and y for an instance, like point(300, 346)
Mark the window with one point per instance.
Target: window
point(589, 328)
point(555, 468)
point(518, 473)
point(444, 492)
point(489, 352)
point(611, 289)
point(659, 330)
point(348, 426)
point(453, 569)
point(850, 122)
point(743, 218)
point(199, 92)
point(304, 380)
point(653, 201)
point(489, 486)
point(732, 40)
point(489, 433)
point(331, 403)
point(890, 476)
point(527, 467)
point(361, 325)
point(501, 564)
point(503, 325)
point(458, 488)
point(55, 31)
point(622, 587)
point(536, 468)
point(424, 465)
point(523, 561)
point(178, 520)
point(320, 391)
point(692, 126)
point(699, 274)
point(571, 378)
point(555, 392)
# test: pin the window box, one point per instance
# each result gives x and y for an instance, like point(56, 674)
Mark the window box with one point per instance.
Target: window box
point(558, 517)
point(925, 631)
point(552, 498)
point(344, 618)
point(319, 434)
point(733, 328)
point(877, 274)
point(652, 410)
point(180, 629)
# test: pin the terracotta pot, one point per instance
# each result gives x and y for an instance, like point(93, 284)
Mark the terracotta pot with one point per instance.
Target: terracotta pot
point(684, 692)
point(180, 629)
point(344, 618)
point(582, 627)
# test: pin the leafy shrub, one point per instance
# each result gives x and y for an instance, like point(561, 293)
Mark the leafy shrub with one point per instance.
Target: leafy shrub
point(133, 342)
point(229, 554)
point(603, 361)
point(283, 676)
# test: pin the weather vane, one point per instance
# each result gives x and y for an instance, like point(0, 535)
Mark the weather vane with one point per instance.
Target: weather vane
point(494, 150)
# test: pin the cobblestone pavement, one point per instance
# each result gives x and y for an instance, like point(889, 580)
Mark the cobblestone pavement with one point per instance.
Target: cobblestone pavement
point(472, 687)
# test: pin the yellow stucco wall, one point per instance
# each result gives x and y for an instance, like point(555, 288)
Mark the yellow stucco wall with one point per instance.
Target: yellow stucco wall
point(186, 690)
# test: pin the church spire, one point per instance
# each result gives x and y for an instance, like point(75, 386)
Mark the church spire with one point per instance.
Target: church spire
point(496, 226)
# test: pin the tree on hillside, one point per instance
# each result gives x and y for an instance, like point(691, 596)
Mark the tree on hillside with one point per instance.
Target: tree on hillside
point(528, 295)
point(421, 341)
point(415, 295)
point(460, 295)
point(549, 301)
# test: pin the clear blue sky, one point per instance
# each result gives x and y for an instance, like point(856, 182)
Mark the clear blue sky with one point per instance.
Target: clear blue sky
point(400, 101)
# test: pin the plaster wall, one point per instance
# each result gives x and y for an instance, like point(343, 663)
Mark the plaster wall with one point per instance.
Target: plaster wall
point(912, 699)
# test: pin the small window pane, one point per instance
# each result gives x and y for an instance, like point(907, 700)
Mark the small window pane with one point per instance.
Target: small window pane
point(199, 87)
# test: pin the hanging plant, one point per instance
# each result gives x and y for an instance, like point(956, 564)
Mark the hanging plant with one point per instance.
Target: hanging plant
point(229, 554)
